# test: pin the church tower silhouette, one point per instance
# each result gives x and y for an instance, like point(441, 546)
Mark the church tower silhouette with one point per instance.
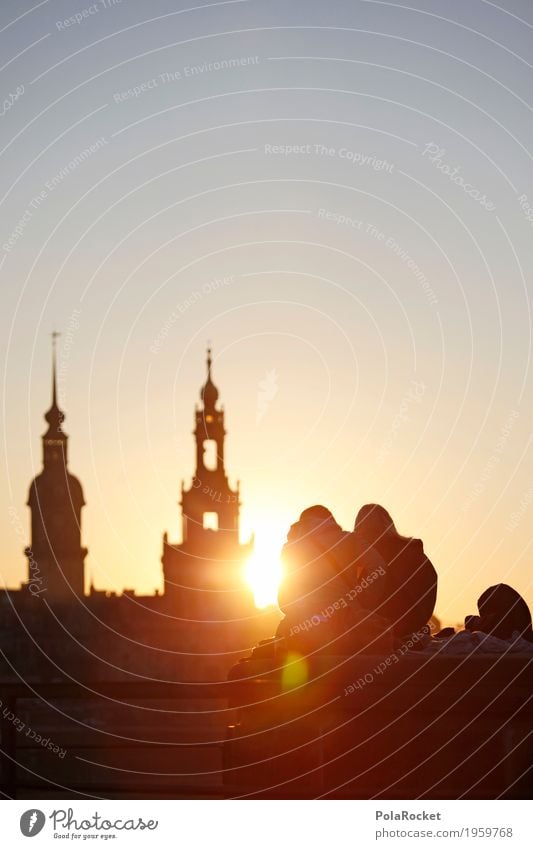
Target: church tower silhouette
point(204, 575)
point(55, 555)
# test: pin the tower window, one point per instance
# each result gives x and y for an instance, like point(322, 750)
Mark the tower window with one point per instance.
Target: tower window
point(210, 521)
point(210, 455)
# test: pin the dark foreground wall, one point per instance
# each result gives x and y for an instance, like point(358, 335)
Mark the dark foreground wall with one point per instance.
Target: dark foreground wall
point(422, 727)
point(354, 728)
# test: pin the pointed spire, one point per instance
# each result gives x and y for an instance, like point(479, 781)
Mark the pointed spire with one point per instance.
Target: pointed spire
point(55, 336)
point(54, 416)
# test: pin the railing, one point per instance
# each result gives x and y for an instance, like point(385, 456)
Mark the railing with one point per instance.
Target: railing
point(22, 748)
point(426, 727)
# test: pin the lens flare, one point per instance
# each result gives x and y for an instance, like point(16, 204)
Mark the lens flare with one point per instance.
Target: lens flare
point(295, 671)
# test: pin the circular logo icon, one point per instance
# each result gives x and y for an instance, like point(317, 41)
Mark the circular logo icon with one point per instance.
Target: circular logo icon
point(32, 822)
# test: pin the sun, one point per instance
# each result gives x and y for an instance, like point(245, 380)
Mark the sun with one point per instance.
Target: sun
point(263, 569)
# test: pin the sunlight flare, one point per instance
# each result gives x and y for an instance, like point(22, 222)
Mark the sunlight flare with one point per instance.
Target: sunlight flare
point(263, 570)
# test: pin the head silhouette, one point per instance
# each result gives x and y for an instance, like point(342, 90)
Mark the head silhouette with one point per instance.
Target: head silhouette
point(503, 611)
point(316, 515)
point(315, 518)
point(374, 522)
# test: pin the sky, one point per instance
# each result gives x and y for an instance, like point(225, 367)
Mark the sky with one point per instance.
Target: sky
point(339, 198)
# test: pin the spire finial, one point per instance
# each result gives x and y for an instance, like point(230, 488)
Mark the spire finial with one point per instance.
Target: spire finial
point(55, 336)
point(209, 392)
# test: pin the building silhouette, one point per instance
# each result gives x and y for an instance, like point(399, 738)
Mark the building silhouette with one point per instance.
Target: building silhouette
point(56, 557)
point(204, 574)
point(204, 621)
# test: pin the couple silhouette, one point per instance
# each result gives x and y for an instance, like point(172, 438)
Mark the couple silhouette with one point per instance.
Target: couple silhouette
point(370, 589)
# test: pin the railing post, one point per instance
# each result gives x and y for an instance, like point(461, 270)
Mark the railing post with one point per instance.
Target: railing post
point(9, 746)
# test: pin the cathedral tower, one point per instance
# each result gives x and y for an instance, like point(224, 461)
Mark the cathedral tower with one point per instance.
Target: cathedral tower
point(210, 504)
point(55, 556)
point(204, 575)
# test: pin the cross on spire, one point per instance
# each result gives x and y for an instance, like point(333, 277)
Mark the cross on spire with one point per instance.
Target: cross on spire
point(55, 335)
point(209, 392)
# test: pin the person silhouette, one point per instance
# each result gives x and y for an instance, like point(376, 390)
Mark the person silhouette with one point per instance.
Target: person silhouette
point(405, 590)
point(321, 606)
point(503, 613)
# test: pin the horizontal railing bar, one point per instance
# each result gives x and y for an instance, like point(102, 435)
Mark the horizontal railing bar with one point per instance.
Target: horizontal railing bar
point(206, 790)
point(95, 689)
point(144, 745)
